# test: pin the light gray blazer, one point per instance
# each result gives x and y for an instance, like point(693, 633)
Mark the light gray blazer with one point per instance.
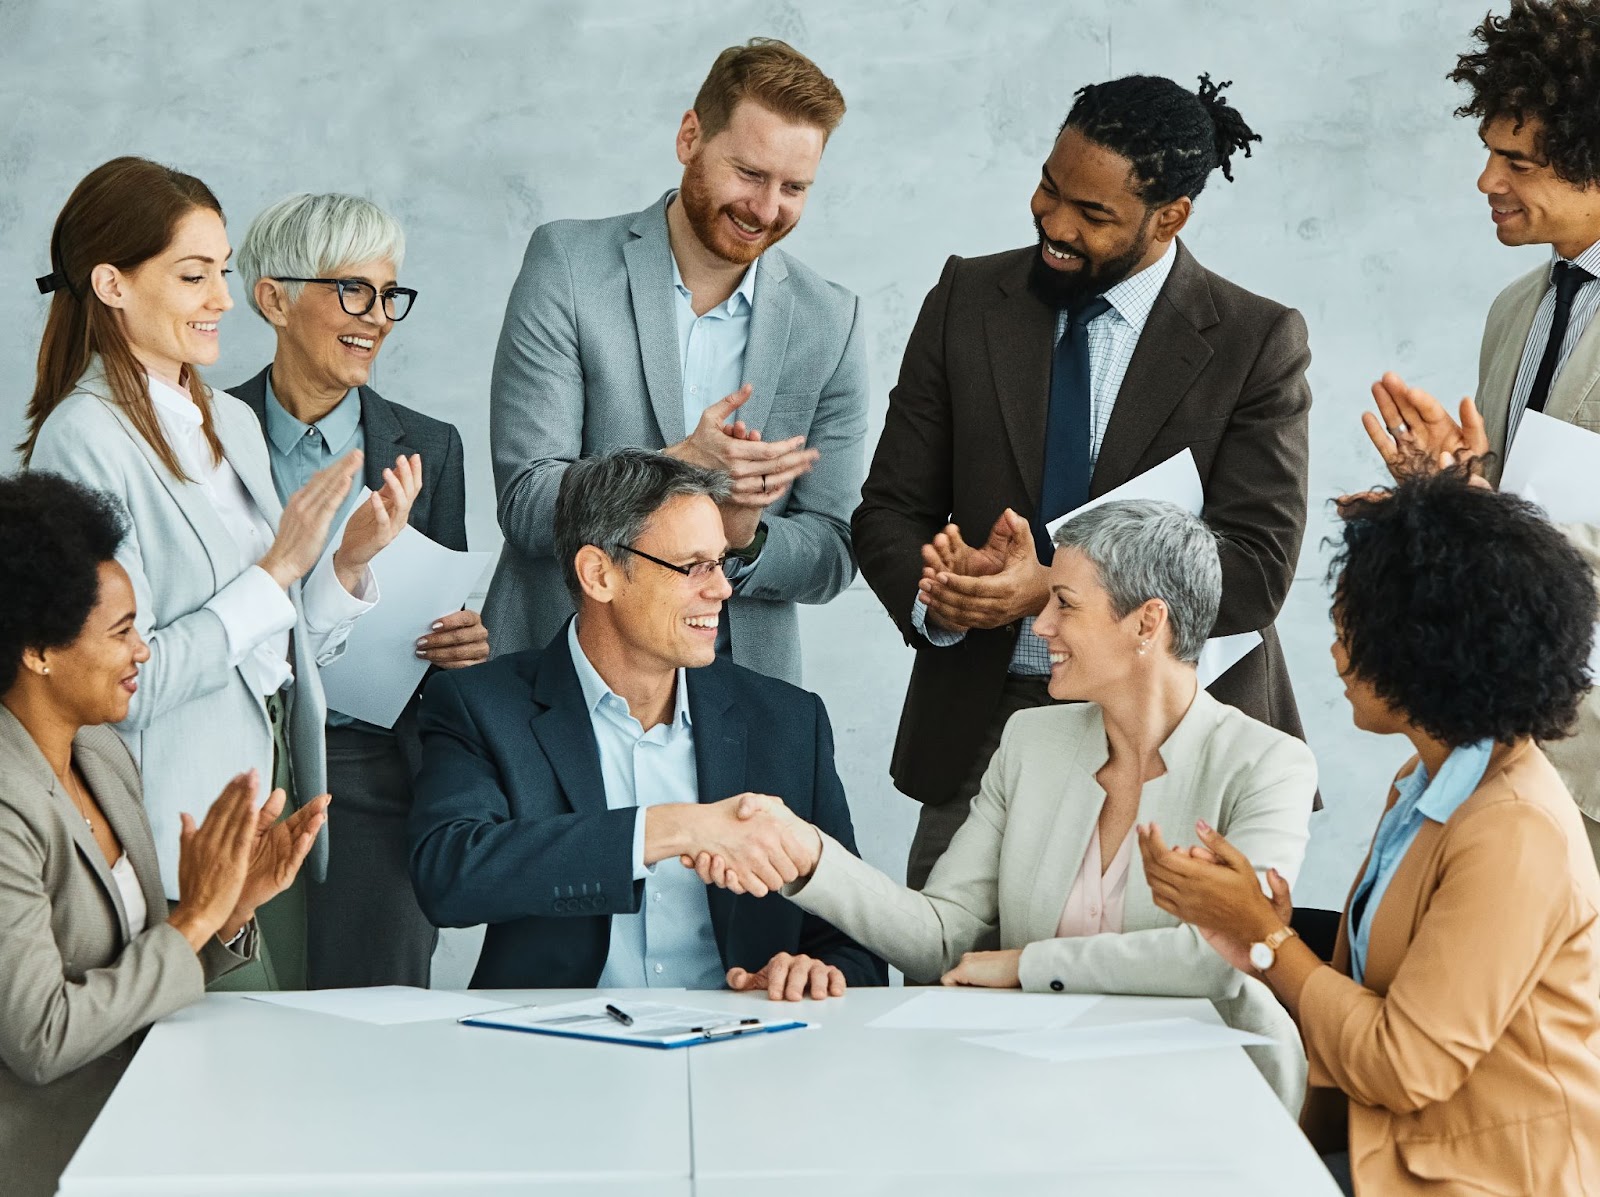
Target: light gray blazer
point(196, 720)
point(1009, 868)
point(588, 362)
point(75, 990)
point(1575, 398)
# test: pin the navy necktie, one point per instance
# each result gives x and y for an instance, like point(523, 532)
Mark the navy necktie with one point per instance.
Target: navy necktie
point(1569, 279)
point(1065, 485)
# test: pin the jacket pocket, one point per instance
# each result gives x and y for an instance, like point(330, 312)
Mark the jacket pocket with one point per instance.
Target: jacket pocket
point(1493, 1159)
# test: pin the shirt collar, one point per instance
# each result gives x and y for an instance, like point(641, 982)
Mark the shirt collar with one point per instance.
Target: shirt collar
point(743, 298)
point(1442, 796)
point(596, 692)
point(174, 403)
point(1589, 259)
point(337, 427)
point(1135, 296)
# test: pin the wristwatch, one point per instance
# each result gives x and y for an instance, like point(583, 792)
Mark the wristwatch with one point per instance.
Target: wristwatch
point(1264, 955)
point(751, 551)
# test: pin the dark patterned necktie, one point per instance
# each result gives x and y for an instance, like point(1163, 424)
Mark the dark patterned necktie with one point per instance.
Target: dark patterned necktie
point(1065, 485)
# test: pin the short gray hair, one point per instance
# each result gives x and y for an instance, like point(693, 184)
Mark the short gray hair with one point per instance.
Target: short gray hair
point(313, 236)
point(608, 500)
point(1144, 549)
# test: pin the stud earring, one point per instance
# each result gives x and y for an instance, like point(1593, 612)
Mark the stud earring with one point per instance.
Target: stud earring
point(1144, 646)
point(46, 670)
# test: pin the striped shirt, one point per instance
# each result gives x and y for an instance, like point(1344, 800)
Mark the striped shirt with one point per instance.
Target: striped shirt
point(1113, 336)
point(1584, 306)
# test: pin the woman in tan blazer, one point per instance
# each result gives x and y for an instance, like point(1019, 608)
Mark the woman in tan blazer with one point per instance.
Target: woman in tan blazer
point(1454, 1042)
point(91, 954)
point(1045, 861)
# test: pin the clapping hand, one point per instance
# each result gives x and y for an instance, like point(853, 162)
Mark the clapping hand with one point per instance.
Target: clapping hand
point(378, 521)
point(279, 849)
point(1413, 432)
point(768, 841)
point(214, 861)
point(986, 587)
point(307, 516)
point(789, 978)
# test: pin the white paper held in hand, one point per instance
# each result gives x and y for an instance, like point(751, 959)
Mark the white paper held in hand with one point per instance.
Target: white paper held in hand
point(1564, 458)
point(418, 581)
point(1177, 480)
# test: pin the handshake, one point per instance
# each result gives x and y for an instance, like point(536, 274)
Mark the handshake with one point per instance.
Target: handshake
point(748, 844)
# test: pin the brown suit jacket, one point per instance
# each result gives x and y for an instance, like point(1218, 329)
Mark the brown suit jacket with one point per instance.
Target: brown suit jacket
point(1469, 1060)
point(1217, 370)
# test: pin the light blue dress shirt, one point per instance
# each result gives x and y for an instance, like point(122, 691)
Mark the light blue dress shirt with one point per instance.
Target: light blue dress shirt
point(669, 943)
point(297, 451)
point(1417, 800)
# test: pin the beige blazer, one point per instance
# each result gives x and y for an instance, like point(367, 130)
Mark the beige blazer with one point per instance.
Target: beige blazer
point(1575, 398)
point(1009, 868)
point(75, 990)
point(1469, 1061)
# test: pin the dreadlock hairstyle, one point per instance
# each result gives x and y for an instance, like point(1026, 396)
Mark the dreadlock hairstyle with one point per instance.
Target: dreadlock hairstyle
point(1173, 137)
point(1541, 61)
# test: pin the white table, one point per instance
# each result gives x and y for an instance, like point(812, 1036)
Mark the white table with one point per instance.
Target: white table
point(245, 1098)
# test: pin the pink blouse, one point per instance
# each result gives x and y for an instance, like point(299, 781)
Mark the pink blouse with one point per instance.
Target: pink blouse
point(1094, 904)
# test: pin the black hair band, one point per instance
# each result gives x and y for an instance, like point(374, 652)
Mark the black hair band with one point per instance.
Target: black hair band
point(52, 282)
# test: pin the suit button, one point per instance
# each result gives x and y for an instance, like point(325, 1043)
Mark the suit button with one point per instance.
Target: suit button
point(1057, 986)
point(560, 905)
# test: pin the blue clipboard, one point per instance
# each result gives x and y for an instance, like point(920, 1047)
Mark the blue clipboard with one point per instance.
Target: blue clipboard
point(692, 1030)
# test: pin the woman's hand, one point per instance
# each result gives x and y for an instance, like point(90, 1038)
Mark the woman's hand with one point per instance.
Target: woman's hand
point(802, 844)
point(991, 970)
point(213, 861)
point(455, 641)
point(377, 521)
point(307, 516)
point(1413, 432)
point(1214, 889)
point(278, 850)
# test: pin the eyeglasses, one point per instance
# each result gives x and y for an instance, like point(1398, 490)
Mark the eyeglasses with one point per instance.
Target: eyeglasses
point(695, 569)
point(357, 297)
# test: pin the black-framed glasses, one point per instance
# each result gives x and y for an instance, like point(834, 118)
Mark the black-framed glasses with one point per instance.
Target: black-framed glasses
point(357, 296)
point(695, 569)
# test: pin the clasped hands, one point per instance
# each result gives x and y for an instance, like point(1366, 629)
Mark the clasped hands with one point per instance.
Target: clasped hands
point(988, 586)
point(761, 471)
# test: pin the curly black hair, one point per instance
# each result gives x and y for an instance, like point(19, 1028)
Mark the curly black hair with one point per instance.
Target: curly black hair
point(54, 536)
point(1541, 61)
point(1465, 609)
point(1174, 138)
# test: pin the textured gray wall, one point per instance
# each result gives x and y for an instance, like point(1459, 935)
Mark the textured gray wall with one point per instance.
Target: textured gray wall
point(474, 123)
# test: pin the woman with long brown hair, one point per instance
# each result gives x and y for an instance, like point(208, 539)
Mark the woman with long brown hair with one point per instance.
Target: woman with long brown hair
point(235, 596)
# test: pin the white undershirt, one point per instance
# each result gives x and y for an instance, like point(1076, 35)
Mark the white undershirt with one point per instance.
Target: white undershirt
point(133, 903)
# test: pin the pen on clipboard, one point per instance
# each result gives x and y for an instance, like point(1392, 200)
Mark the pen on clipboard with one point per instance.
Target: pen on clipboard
point(624, 1018)
point(732, 1028)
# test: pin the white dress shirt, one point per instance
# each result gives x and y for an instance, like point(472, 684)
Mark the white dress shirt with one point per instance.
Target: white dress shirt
point(133, 903)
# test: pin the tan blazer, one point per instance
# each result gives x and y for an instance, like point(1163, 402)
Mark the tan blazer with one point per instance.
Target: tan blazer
point(1575, 398)
point(1009, 868)
point(1472, 1052)
point(75, 991)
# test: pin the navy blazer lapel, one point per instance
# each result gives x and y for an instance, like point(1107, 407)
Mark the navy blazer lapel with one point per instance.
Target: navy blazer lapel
point(720, 744)
point(562, 728)
point(770, 320)
point(1021, 331)
point(1169, 357)
point(649, 260)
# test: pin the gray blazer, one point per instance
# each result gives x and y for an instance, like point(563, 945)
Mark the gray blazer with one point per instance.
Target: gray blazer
point(1010, 867)
point(75, 990)
point(196, 720)
point(588, 362)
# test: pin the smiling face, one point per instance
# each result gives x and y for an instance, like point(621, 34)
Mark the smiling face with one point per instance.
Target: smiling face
point(744, 189)
point(169, 305)
point(1091, 651)
point(1094, 229)
point(1368, 711)
point(318, 340)
point(1527, 202)
point(93, 679)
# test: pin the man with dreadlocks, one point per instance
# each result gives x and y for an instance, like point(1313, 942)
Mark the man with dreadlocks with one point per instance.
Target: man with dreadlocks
point(1534, 82)
point(1039, 378)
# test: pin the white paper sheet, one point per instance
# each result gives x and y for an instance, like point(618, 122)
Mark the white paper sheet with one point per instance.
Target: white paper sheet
point(1177, 480)
point(1157, 1037)
point(1565, 459)
point(384, 1005)
point(418, 581)
point(984, 1010)
point(652, 1024)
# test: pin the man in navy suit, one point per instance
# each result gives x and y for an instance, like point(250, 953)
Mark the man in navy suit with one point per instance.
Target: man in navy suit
point(559, 789)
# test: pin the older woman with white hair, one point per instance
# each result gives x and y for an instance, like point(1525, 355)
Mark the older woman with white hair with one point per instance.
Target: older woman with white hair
point(1046, 861)
point(323, 270)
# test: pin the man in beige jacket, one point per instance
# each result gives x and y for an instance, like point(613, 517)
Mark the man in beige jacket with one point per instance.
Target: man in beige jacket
point(1534, 78)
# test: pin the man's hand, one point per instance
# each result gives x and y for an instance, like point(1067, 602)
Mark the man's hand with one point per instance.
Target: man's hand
point(756, 467)
point(990, 970)
point(789, 978)
point(1019, 586)
point(754, 850)
point(801, 841)
point(455, 641)
point(1414, 433)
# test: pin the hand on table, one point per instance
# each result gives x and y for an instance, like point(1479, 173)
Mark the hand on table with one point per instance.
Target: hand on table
point(214, 861)
point(280, 847)
point(1413, 432)
point(799, 842)
point(307, 516)
point(455, 641)
point(374, 524)
point(990, 970)
point(988, 587)
point(789, 978)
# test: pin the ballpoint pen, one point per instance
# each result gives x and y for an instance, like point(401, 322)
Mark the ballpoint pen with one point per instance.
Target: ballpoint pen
point(625, 1019)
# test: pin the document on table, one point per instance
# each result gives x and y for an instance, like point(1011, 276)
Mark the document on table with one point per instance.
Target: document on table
point(1177, 480)
point(384, 1005)
point(1157, 1037)
point(984, 1010)
point(418, 581)
point(652, 1024)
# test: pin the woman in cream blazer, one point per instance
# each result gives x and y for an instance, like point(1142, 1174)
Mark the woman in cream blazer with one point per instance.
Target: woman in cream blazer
point(1454, 1041)
point(1048, 845)
point(90, 955)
